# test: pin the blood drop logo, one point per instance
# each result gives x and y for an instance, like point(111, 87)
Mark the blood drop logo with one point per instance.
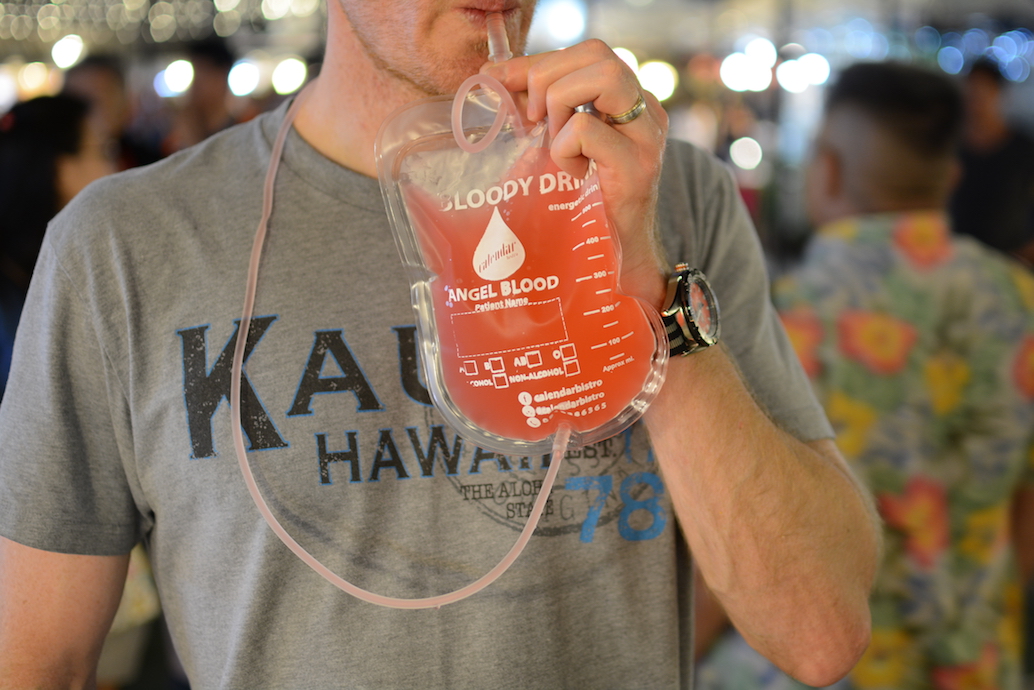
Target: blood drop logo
point(500, 253)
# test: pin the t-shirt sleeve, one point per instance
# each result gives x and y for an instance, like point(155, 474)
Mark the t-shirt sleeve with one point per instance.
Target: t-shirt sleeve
point(63, 425)
point(705, 223)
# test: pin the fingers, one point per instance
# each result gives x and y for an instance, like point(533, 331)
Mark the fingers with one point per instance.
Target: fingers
point(628, 154)
point(630, 114)
point(557, 83)
point(560, 81)
point(586, 136)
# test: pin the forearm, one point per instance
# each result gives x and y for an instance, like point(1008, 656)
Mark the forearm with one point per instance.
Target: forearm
point(55, 610)
point(784, 537)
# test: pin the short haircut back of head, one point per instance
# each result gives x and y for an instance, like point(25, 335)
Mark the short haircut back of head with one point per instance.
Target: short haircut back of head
point(921, 109)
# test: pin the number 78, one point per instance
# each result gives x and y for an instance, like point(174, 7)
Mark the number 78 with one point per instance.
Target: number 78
point(604, 485)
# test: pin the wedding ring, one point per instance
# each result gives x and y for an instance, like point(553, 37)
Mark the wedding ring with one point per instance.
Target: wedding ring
point(630, 114)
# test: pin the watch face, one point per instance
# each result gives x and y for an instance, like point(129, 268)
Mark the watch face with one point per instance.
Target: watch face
point(701, 310)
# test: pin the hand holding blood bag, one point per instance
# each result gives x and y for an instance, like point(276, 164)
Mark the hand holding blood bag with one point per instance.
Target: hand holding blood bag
point(514, 270)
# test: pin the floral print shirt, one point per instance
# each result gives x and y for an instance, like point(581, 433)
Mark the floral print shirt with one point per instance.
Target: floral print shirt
point(920, 346)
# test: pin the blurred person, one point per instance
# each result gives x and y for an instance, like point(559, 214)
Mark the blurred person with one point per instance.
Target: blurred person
point(994, 200)
point(920, 344)
point(139, 300)
point(206, 106)
point(49, 152)
point(100, 81)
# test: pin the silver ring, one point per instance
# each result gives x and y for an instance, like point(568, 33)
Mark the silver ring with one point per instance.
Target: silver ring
point(630, 114)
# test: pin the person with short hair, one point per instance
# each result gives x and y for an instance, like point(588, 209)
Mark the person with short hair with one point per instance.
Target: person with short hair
point(994, 198)
point(100, 80)
point(48, 154)
point(205, 107)
point(920, 345)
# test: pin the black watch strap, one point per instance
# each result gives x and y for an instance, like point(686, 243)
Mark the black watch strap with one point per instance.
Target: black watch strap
point(691, 318)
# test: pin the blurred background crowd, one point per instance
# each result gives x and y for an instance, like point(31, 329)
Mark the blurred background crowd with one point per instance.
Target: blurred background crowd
point(90, 87)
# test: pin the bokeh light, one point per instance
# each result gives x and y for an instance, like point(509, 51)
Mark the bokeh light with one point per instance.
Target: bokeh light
point(745, 153)
point(659, 78)
point(628, 57)
point(303, 8)
point(67, 51)
point(859, 43)
point(1007, 45)
point(160, 87)
point(740, 72)
point(810, 69)
point(33, 77)
point(226, 23)
point(928, 39)
point(289, 75)
point(1016, 69)
point(275, 9)
point(178, 76)
point(792, 76)
point(734, 70)
point(951, 59)
point(244, 78)
point(952, 39)
point(815, 67)
point(8, 89)
point(975, 41)
point(564, 20)
point(762, 51)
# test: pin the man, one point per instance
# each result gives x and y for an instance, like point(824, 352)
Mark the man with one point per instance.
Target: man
point(205, 109)
point(994, 200)
point(920, 345)
point(100, 81)
point(136, 441)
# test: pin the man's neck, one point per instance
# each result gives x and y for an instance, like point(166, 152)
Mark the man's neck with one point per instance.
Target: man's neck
point(347, 104)
point(888, 209)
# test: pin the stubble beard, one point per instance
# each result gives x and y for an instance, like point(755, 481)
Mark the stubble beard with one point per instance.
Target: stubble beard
point(442, 81)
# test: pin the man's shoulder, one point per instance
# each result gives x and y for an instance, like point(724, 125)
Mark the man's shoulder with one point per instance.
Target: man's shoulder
point(992, 261)
point(687, 158)
point(693, 181)
point(223, 157)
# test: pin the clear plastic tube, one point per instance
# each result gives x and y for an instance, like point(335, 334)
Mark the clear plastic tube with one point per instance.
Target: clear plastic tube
point(498, 50)
point(498, 42)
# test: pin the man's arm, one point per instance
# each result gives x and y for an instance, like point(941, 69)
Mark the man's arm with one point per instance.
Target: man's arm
point(782, 533)
point(786, 539)
point(55, 610)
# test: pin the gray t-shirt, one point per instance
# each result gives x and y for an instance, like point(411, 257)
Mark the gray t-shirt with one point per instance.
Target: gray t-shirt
point(116, 427)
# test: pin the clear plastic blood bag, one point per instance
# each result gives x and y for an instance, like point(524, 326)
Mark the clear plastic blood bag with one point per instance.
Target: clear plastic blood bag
point(532, 328)
point(514, 270)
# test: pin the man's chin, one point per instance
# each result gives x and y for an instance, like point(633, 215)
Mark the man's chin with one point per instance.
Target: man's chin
point(447, 81)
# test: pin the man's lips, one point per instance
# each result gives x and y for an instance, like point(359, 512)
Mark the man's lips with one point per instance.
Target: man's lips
point(479, 11)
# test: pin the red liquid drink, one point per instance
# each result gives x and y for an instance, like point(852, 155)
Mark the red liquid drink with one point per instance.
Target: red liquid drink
point(532, 328)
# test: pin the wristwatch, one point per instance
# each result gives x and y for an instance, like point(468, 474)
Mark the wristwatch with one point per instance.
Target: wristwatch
point(691, 318)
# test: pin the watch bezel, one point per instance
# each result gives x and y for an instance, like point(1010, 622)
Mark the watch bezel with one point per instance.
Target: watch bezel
point(684, 335)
